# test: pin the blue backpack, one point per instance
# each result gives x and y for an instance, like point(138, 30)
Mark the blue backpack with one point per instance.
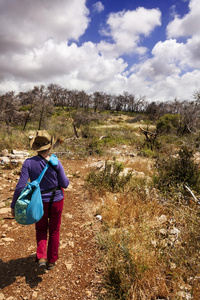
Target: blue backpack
point(29, 206)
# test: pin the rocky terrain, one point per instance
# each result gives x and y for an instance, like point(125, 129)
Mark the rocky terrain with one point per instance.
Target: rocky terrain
point(77, 274)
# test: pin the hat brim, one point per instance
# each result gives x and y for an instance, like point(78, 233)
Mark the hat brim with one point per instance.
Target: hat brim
point(37, 147)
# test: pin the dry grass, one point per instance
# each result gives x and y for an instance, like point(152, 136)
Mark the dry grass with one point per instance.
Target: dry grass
point(129, 222)
point(149, 249)
point(13, 139)
point(131, 127)
point(141, 164)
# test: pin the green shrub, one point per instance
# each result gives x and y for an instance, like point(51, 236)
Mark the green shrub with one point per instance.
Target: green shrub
point(109, 178)
point(177, 171)
point(120, 270)
point(146, 152)
point(168, 123)
point(148, 147)
point(113, 140)
point(94, 147)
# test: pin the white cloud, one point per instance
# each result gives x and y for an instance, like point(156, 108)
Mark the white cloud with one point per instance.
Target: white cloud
point(181, 87)
point(173, 11)
point(166, 60)
point(167, 88)
point(25, 24)
point(168, 50)
point(188, 25)
point(126, 28)
point(174, 69)
point(63, 63)
point(51, 53)
point(192, 55)
point(98, 7)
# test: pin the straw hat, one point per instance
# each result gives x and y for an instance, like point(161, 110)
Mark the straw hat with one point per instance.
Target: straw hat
point(42, 141)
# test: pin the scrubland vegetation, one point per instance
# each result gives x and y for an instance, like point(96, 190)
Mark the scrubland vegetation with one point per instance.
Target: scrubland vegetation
point(148, 198)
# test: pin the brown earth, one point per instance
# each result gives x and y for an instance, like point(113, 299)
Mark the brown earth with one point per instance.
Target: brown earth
point(77, 274)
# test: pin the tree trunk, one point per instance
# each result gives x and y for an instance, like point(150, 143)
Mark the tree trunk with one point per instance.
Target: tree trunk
point(75, 131)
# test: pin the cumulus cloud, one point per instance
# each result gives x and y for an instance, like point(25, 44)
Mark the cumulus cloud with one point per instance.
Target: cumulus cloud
point(25, 24)
point(98, 7)
point(174, 68)
point(188, 25)
point(52, 62)
point(166, 89)
point(181, 87)
point(39, 44)
point(192, 58)
point(166, 60)
point(126, 28)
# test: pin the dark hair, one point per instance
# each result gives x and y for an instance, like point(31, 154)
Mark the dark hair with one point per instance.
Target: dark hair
point(43, 151)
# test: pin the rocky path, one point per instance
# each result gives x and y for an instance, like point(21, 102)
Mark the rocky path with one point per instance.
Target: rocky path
point(77, 274)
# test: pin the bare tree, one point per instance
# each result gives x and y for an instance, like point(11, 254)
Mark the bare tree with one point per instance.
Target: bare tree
point(107, 102)
point(119, 102)
point(9, 108)
point(43, 104)
point(154, 111)
point(54, 93)
point(150, 137)
point(28, 104)
point(98, 101)
point(189, 117)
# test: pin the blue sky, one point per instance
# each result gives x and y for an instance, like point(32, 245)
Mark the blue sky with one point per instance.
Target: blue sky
point(145, 47)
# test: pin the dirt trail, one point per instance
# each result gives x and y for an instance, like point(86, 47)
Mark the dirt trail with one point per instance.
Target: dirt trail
point(77, 274)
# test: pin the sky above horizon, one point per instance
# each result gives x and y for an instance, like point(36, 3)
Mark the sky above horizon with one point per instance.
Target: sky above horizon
point(145, 47)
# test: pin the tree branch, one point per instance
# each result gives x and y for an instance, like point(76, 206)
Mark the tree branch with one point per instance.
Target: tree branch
point(192, 194)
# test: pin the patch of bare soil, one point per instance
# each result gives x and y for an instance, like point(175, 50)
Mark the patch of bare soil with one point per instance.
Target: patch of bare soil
point(77, 274)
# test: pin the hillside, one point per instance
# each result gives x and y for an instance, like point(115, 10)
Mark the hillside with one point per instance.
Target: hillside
point(121, 237)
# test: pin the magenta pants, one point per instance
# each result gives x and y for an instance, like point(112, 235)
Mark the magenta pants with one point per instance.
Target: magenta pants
point(53, 226)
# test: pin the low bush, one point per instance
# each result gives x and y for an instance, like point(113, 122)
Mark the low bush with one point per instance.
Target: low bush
point(168, 123)
point(120, 267)
point(94, 147)
point(109, 178)
point(146, 152)
point(174, 172)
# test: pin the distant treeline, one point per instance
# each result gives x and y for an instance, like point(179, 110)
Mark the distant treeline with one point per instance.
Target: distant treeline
point(40, 101)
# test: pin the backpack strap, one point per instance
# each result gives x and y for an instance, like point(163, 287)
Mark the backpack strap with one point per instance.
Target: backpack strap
point(48, 162)
point(53, 190)
point(42, 174)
